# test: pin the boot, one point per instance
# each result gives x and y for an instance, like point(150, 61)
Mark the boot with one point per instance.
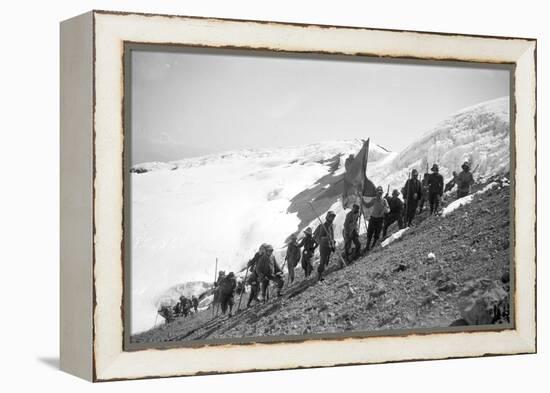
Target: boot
point(367, 247)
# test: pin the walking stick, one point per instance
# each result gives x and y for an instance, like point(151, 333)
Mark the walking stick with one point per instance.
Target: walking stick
point(328, 234)
point(244, 289)
point(283, 271)
point(216, 271)
point(215, 278)
point(407, 206)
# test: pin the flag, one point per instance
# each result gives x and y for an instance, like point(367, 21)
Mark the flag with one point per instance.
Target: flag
point(356, 181)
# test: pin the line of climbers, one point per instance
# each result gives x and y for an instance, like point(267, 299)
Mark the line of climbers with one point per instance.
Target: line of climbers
point(263, 268)
point(181, 309)
point(388, 210)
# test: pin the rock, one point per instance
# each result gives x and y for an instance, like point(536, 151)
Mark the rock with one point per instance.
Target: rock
point(447, 287)
point(323, 307)
point(435, 275)
point(442, 280)
point(370, 304)
point(505, 278)
point(483, 302)
point(400, 268)
point(429, 298)
point(377, 293)
point(459, 322)
point(350, 292)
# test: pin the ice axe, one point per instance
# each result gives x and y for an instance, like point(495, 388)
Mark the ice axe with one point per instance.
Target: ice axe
point(244, 289)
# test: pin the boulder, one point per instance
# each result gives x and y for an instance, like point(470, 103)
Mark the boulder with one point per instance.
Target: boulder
point(377, 293)
point(482, 302)
point(400, 268)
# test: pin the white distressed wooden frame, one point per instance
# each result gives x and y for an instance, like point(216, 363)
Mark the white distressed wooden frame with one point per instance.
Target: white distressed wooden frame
point(92, 194)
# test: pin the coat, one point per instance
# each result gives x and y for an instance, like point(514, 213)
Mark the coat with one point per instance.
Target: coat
point(464, 181)
point(412, 186)
point(227, 285)
point(267, 266)
point(379, 206)
point(350, 224)
point(324, 235)
point(396, 205)
point(435, 183)
point(293, 254)
point(309, 243)
point(252, 263)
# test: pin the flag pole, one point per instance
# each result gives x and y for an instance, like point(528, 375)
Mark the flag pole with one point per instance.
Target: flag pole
point(365, 163)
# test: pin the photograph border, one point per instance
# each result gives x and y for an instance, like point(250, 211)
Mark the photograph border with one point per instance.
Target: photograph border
point(109, 32)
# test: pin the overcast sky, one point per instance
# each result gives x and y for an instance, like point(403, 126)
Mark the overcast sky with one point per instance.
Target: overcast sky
point(189, 104)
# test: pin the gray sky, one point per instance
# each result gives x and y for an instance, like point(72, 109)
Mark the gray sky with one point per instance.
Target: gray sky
point(190, 104)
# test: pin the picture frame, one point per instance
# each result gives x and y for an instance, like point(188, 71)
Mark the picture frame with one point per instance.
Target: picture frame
point(94, 338)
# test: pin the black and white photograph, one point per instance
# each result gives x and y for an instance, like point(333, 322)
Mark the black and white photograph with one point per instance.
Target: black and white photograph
point(277, 196)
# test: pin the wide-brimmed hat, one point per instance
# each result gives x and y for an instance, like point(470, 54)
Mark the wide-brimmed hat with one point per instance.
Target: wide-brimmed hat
point(395, 192)
point(466, 165)
point(308, 231)
point(330, 213)
point(435, 167)
point(379, 189)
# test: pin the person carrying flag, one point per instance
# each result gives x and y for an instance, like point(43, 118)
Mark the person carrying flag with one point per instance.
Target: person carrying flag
point(380, 208)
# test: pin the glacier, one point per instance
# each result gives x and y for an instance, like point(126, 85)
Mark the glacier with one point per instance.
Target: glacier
point(187, 213)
